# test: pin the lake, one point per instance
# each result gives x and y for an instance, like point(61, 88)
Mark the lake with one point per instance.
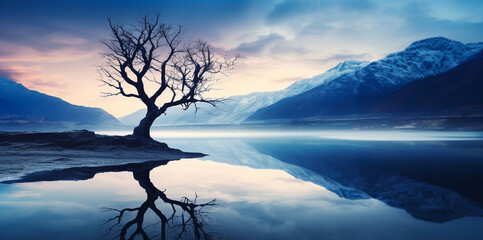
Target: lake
point(265, 185)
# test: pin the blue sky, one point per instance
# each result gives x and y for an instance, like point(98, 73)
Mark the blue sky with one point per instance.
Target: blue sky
point(52, 46)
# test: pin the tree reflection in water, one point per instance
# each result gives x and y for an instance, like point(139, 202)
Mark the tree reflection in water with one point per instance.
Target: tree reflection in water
point(184, 218)
point(186, 215)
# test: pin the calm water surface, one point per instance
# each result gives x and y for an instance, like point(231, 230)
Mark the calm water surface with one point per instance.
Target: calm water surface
point(302, 185)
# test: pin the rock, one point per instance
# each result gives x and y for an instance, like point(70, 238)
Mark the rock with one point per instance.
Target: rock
point(23, 153)
point(80, 139)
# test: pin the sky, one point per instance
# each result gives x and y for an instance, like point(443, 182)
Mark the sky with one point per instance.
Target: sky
point(53, 46)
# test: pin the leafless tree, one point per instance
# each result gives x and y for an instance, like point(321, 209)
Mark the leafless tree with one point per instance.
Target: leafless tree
point(150, 61)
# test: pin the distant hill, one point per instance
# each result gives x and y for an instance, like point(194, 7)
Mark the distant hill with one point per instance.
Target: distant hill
point(459, 90)
point(21, 105)
point(361, 91)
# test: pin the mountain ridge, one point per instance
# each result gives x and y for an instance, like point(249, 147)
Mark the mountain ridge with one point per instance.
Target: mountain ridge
point(19, 104)
point(432, 94)
point(359, 91)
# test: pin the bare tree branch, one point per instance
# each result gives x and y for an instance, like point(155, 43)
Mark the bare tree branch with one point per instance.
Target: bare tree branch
point(151, 52)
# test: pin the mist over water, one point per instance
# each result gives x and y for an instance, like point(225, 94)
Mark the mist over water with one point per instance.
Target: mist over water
point(360, 135)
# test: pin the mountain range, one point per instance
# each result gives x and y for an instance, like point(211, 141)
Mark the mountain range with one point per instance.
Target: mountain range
point(435, 76)
point(19, 105)
point(441, 93)
point(362, 91)
point(238, 108)
point(350, 88)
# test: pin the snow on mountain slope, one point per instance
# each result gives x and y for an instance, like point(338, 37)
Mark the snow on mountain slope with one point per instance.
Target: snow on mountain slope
point(358, 91)
point(457, 91)
point(237, 108)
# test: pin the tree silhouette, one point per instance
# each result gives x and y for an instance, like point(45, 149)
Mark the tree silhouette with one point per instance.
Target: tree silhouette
point(191, 216)
point(150, 61)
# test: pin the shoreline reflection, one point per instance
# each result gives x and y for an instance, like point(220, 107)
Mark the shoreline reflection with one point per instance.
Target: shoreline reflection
point(185, 216)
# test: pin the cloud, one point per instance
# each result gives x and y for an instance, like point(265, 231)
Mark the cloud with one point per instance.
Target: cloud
point(271, 44)
point(44, 37)
point(291, 9)
point(376, 26)
point(14, 53)
point(68, 40)
point(456, 10)
point(32, 77)
point(260, 45)
point(288, 79)
point(419, 22)
point(296, 10)
point(340, 57)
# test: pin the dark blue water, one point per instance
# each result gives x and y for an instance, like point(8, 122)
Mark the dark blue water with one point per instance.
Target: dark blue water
point(262, 188)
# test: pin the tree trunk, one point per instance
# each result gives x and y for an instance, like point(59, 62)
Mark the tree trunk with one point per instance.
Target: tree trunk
point(144, 127)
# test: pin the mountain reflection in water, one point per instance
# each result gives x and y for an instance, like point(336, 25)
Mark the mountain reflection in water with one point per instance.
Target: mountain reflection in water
point(436, 181)
point(377, 189)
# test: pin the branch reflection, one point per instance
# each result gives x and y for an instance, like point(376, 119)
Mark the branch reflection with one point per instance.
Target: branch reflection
point(185, 218)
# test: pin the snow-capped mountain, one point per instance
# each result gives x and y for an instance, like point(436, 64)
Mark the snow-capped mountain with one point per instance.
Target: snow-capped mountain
point(457, 91)
point(359, 91)
point(21, 105)
point(237, 108)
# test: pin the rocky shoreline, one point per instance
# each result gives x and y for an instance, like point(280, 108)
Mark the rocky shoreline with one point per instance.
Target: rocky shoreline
point(22, 153)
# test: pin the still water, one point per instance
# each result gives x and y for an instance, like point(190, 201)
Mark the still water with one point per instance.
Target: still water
point(265, 185)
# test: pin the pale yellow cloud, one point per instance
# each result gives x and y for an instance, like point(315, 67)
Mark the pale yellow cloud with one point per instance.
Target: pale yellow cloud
point(14, 53)
point(33, 77)
point(68, 40)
